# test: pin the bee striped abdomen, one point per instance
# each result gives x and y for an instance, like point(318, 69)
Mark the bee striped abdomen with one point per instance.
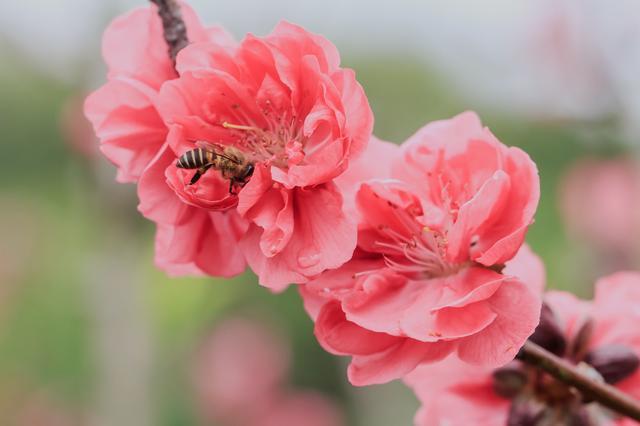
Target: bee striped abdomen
point(195, 159)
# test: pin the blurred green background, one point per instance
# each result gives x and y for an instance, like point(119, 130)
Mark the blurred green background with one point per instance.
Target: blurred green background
point(92, 333)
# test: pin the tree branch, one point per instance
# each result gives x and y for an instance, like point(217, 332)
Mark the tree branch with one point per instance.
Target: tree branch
point(175, 30)
point(606, 395)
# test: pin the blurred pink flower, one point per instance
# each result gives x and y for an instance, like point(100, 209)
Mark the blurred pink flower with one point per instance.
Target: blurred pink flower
point(240, 376)
point(600, 201)
point(77, 130)
point(238, 370)
point(301, 408)
point(284, 102)
point(600, 336)
point(434, 238)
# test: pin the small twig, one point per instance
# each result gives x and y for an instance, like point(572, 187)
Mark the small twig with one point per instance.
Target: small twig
point(567, 373)
point(175, 30)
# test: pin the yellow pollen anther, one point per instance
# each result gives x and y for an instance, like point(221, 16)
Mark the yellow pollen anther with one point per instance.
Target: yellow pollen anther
point(426, 229)
point(238, 126)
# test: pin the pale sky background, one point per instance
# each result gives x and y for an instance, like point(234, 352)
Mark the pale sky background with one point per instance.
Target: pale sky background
point(557, 59)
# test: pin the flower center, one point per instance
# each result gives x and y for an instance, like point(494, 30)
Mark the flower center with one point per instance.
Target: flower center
point(413, 248)
point(420, 253)
point(280, 144)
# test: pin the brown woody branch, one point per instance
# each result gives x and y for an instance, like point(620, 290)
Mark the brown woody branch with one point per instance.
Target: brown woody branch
point(175, 30)
point(606, 395)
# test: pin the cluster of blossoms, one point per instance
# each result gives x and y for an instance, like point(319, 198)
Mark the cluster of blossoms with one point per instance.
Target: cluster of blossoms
point(409, 258)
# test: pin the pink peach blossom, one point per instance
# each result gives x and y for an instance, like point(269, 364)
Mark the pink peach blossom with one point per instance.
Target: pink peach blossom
point(435, 237)
point(283, 102)
point(474, 395)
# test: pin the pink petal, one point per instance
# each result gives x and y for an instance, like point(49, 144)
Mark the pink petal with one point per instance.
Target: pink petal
point(157, 201)
point(528, 268)
point(254, 190)
point(128, 125)
point(395, 362)
point(427, 310)
point(615, 310)
point(322, 238)
point(523, 202)
point(204, 56)
point(334, 284)
point(518, 314)
point(341, 337)
point(379, 153)
point(356, 107)
point(133, 45)
point(288, 36)
point(486, 206)
point(463, 398)
point(200, 244)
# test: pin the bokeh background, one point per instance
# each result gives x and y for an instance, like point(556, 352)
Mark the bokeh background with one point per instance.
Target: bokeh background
point(91, 333)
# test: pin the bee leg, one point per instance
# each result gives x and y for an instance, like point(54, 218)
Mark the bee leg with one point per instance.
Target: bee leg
point(196, 177)
point(199, 174)
point(231, 184)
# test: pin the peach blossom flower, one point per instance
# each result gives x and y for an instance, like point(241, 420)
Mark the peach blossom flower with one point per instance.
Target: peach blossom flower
point(600, 200)
point(600, 336)
point(428, 277)
point(284, 102)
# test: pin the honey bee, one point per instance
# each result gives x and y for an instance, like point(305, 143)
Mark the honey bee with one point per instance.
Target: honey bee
point(231, 163)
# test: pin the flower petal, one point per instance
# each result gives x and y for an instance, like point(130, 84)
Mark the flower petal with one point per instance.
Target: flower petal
point(518, 314)
point(322, 238)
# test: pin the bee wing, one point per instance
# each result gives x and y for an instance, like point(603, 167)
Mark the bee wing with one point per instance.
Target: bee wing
point(215, 148)
point(209, 146)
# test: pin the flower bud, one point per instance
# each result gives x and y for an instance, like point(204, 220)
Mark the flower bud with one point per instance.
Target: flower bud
point(526, 412)
point(613, 362)
point(509, 380)
point(548, 334)
point(580, 345)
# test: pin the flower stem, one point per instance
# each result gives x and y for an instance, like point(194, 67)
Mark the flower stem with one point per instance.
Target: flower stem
point(606, 395)
point(175, 30)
